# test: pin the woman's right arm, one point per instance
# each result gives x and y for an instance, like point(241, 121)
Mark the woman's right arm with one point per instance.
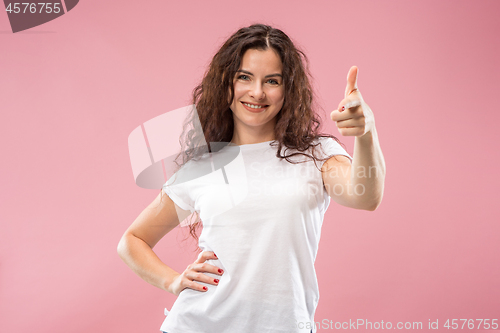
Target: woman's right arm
point(136, 249)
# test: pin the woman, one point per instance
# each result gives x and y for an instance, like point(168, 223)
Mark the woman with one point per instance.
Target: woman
point(259, 242)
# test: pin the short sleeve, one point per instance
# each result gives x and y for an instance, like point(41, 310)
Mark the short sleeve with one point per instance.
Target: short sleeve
point(330, 147)
point(179, 193)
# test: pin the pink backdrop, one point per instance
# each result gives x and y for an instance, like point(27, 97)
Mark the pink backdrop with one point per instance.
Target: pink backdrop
point(73, 89)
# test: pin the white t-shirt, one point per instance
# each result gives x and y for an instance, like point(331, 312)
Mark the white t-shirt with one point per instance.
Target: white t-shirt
point(262, 217)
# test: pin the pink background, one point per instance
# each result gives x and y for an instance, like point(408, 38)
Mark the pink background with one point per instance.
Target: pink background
point(74, 88)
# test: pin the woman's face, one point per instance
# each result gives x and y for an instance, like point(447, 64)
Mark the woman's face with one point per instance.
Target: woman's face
point(258, 91)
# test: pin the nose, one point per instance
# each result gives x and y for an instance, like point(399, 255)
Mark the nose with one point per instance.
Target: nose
point(257, 92)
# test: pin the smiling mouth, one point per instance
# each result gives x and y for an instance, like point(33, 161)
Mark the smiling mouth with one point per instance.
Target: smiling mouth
point(255, 106)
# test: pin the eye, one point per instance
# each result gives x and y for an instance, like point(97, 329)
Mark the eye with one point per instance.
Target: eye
point(273, 81)
point(243, 77)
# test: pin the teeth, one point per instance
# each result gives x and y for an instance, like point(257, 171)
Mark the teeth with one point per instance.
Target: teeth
point(254, 106)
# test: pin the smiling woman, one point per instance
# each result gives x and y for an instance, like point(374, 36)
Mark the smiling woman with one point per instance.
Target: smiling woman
point(258, 96)
point(255, 271)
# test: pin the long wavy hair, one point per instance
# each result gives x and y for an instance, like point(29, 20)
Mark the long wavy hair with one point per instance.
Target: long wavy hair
point(297, 123)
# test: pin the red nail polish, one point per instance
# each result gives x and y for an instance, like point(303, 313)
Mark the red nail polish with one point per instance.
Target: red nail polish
point(205, 288)
point(216, 280)
point(220, 270)
point(215, 255)
point(343, 108)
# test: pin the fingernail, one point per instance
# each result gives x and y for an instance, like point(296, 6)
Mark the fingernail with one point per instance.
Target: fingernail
point(216, 280)
point(220, 270)
point(343, 108)
point(205, 288)
point(215, 255)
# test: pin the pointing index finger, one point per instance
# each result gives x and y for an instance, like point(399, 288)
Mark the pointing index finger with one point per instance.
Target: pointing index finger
point(352, 81)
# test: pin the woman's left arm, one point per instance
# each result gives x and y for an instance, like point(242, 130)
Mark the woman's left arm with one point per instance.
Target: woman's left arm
point(360, 184)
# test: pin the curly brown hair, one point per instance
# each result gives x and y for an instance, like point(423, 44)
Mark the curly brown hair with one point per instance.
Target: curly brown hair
point(297, 123)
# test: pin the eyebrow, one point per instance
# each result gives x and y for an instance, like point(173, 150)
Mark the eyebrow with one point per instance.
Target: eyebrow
point(247, 72)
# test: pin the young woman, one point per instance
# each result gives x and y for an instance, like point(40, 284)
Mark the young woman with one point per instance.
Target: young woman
point(262, 212)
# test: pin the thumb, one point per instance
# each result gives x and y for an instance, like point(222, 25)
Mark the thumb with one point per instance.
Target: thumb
point(352, 81)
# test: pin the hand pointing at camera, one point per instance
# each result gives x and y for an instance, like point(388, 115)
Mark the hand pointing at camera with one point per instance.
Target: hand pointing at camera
point(353, 116)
